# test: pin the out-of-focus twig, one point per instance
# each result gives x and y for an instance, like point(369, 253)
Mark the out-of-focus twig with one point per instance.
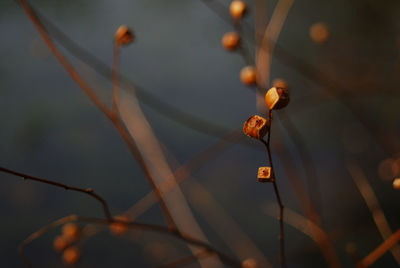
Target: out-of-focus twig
point(373, 205)
point(389, 243)
point(88, 191)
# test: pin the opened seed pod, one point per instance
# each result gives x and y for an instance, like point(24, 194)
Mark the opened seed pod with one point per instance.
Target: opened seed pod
point(256, 127)
point(264, 174)
point(123, 35)
point(277, 98)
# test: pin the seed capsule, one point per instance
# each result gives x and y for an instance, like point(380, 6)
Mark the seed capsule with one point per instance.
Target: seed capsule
point(277, 97)
point(60, 243)
point(71, 255)
point(248, 75)
point(123, 35)
point(319, 32)
point(264, 174)
point(396, 183)
point(70, 231)
point(256, 127)
point(237, 9)
point(119, 228)
point(230, 41)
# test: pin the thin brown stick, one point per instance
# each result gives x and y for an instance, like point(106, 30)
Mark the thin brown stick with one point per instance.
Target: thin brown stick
point(186, 260)
point(373, 205)
point(96, 100)
point(389, 243)
point(88, 191)
point(115, 77)
point(133, 225)
point(278, 196)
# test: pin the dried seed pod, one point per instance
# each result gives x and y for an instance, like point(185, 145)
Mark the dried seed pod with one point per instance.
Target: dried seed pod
point(248, 75)
point(256, 127)
point(60, 243)
point(123, 35)
point(71, 255)
point(237, 9)
point(249, 263)
point(264, 174)
point(319, 32)
point(70, 231)
point(119, 228)
point(230, 41)
point(396, 183)
point(277, 97)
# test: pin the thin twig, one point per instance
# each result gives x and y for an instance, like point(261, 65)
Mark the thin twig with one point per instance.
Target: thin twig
point(278, 197)
point(389, 243)
point(115, 78)
point(374, 207)
point(88, 191)
point(110, 115)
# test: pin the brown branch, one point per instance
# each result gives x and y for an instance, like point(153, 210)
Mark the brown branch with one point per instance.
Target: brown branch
point(186, 260)
point(88, 191)
point(390, 242)
point(278, 197)
point(133, 225)
point(110, 115)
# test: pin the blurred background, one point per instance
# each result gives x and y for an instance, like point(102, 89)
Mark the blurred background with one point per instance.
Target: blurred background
point(343, 129)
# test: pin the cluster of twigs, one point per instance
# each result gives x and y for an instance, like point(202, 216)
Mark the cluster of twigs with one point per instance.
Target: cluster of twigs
point(267, 45)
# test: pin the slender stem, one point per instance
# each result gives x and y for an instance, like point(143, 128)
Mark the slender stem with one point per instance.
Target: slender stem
point(96, 100)
point(278, 196)
point(115, 77)
point(88, 191)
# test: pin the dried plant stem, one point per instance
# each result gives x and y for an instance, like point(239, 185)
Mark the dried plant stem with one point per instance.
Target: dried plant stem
point(186, 260)
point(96, 100)
point(278, 196)
point(115, 77)
point(88, 191)
point(133, 225)
point(372, 202)
point(389, 243)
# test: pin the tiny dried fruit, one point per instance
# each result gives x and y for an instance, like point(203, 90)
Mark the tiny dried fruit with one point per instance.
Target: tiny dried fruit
point(248, 75)
point(264, 174)
point(118, 228)
point(70, 231)
point(123, 35)
point(60, 243)
point(230, 41)
point(71, 255)
point(396, 183)
point(319, 32)
point(256, 127)
point(237, 9)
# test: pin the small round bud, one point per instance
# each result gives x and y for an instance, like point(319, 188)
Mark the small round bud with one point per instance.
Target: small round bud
point(237, 9)
point(118, 228)
point(70, 231)
point(71, 255)
point(248, 75)
point(230, 41)
point(249, 263)
point(319, 32)
point(60, 243)
point(396, 183)
point(123, 35)
point(256, 127)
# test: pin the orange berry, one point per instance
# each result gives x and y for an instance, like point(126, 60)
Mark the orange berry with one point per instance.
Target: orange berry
point(71, 231)
point(230, 41)
point(237, 9)
point(396, 183)
point(60, 243)
point(319, 32)
point(123, 35)
point(249, 263)
point(71, 255)
point(119, 228)
point(248, 75)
